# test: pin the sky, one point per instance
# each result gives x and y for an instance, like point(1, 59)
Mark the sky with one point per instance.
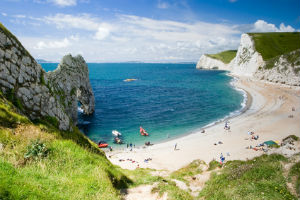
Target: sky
point(142, 30)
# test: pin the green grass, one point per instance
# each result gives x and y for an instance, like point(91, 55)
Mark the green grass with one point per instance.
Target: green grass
point(224, 56)
point(270, 45)
point(295, 172)
point(188, 171)
point(259, 178)
point(213, 165)
point(8, 114)
point(174, 193)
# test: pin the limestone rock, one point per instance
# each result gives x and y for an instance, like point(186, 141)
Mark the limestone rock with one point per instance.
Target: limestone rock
point(42, 94)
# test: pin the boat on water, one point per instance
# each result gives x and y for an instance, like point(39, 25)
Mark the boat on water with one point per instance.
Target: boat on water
point(102, 144)
point(118, 140)
point(130, 79)
point(116, 133)
point(143, 132)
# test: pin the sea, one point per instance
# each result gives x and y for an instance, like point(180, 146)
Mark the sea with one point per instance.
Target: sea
point(168, 100)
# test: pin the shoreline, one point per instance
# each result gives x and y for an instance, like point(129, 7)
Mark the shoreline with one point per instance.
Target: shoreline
point(267, 107)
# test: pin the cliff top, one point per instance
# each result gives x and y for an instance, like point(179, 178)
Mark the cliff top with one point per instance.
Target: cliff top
point(270, 45)
point(224, 56)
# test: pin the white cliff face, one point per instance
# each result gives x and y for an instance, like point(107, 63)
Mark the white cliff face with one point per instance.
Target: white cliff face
point(41, 95)
point(206, 62)
point(247, 59)
point(283, 70)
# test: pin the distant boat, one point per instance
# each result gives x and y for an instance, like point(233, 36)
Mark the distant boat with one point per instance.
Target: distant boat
point(116, 133)
point(102, 144)
point(117, 140)
point(143, 132)
point(130, 79)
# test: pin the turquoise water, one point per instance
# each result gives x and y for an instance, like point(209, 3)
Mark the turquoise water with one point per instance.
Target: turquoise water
point(168, 100)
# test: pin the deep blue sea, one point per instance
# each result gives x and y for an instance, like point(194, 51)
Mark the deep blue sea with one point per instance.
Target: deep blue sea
point(168, 100)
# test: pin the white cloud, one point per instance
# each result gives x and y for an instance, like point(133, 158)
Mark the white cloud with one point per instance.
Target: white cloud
point(52, 44)
point(19, 16)
point(129, 37)
point(65, 21)
point(102, 32)
point(263, 26)
point(162, 5)
point(64, 3)
point(4, 14)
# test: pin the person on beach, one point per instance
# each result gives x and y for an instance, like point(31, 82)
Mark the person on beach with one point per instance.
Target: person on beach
point(175, 147)
point(222, 158)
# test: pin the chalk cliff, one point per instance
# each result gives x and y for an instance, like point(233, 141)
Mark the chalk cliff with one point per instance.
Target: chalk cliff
point(41, 95)
point(249, 62)
point(206, 62)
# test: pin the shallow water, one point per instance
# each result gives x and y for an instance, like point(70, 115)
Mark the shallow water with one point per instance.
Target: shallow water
point(168, 100)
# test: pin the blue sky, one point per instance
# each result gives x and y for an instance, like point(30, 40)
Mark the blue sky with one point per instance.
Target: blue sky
point(142, 30)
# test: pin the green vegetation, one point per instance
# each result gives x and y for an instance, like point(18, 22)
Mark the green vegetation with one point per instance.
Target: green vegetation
point(224, 56)
point(213, 165)
point(270, 45)
point(8, 114)
point(174, 193)
point(259, 178)
point(295, 176)
point(36, 150)
point(188, 171)
point(41, 162)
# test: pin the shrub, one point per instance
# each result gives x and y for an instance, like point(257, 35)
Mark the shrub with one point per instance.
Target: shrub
point(36, 150)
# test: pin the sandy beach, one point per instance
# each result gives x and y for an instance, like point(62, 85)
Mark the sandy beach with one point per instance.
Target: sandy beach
point(268, 115)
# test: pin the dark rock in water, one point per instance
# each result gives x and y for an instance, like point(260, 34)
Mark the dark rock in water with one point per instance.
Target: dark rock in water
point(52, 96)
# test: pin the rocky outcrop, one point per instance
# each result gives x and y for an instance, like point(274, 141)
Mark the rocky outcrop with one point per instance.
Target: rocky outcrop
point(41, 95)
point(206, 62)
point(71, 78)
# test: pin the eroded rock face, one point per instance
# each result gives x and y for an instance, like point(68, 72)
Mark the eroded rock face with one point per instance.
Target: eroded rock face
point(247, 59)
point(285, 70)
point(39, 94)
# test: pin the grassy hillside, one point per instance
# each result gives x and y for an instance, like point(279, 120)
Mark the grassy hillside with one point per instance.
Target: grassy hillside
point(259, 178)
point(37, 161)
point(224, 56)
point(270, 45)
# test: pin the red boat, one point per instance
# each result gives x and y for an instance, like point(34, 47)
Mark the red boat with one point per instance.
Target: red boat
point(143, 132)
point(102, 144)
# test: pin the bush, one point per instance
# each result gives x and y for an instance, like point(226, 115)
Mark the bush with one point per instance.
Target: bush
point(36, 150)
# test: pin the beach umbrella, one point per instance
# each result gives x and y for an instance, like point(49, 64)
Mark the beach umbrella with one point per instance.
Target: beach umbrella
point(270, 142)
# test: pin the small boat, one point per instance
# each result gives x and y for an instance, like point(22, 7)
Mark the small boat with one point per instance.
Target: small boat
point(102, 144)
point(118, 140)
point(143, 132)
point(130, 79)
point(116, 133)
